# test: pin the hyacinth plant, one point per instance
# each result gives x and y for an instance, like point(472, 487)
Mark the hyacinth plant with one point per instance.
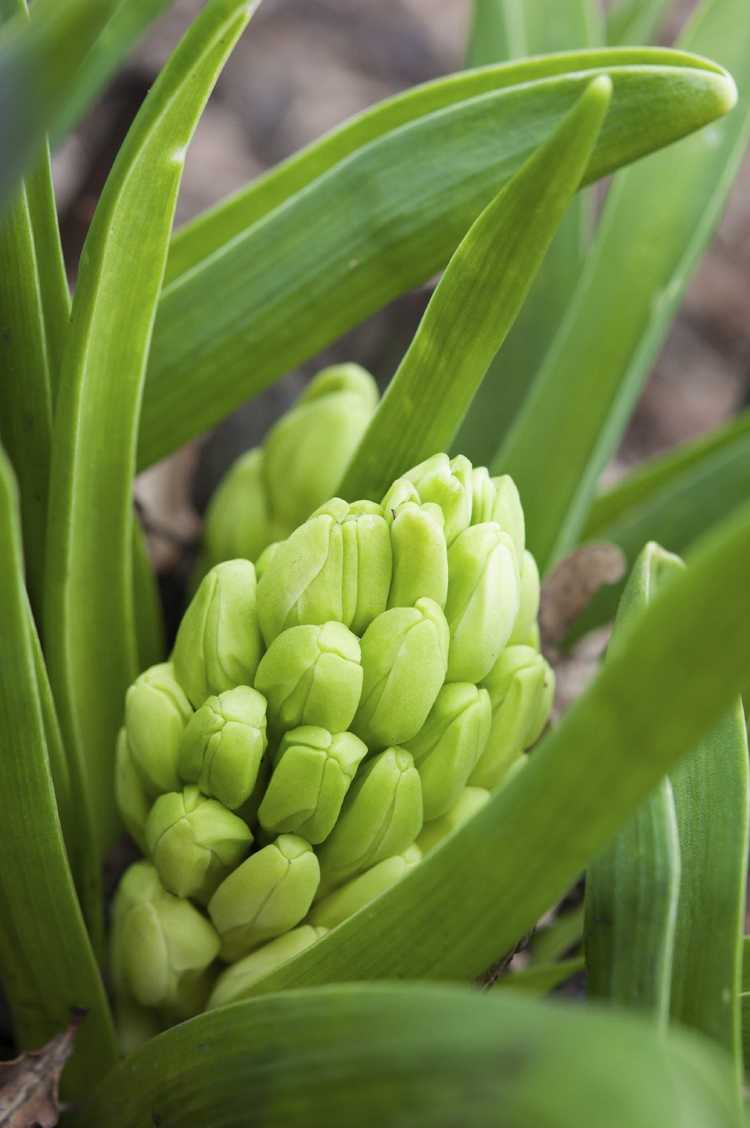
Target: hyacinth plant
point(327, 775)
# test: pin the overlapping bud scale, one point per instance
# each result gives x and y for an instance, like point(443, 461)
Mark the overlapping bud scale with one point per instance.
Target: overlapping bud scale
point(321, 726)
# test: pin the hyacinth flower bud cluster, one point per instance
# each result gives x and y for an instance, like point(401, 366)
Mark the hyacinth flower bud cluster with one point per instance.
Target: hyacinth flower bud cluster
point(270, 490)
point(325, 721)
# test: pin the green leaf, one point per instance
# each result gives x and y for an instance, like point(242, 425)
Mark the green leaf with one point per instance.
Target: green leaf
point(475, 304)
point(90, 624)
point(711, 798)
point(47, 966)
point(149, 624)
point(676, 671)
point(635, 21)
point(674, 498)
point(554, 940)
point(632, 886)
point(40, 60)
point(513, 29)
point(657, 220)
point(376, 209)
point(540, 979)
point(426, 1057)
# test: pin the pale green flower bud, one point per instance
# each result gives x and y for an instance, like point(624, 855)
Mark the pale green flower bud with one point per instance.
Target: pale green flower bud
point(482, 496)
point(310, 781)
point(194, 842)
point(156, 712)
point(483, 600)
point(448, 483)
point(420, 555)
point(360, 891)
point(404, 657)
point(508, 512)
point(308, 450)
point(330, 568)
point(521, 687)
point(223, 745)
point(382, 815)
point(238, 980)
point(268, 894)
point(218, 644)
point(238, 523)
point(263, 563)
point(135, 1025)
point(131, 796)
point(449, 744)
point(525, 631)
point(312, 675)
point(162, 946)
point(471, 800)
point(401, 492)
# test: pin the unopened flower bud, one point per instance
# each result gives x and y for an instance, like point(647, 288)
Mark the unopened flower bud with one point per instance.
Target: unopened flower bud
point(218, 644)
point(448, 483)
point(483, 600)
point(382, 815)
point(312, 675)
point(223, 745)
point(360, 891)
point(525, 630)
point(330, 568)
point(308, 450)
point(156, 712)
point(507, 512)
point(521, 687)
point(268, 894)
point(238, 523)
point(449, 744)
point(131, 796)
point(162, 946)
point(238, 980)
point(264, 560)
point(471, 800)
point(310, 781)
point(194, 842)
point(404, 658)
point(420, 555)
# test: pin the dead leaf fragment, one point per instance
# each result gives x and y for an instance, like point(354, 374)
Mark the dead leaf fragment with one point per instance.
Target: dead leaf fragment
point(29, 1084)
point(572, 584)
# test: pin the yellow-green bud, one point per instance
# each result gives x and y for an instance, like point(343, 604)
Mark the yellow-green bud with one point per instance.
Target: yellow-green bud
point(237, 981)
point(381, 816)
point(448, 483)
point(404, 658)
point(238, 522)
point(268, 894)
point(223, 745)
point(521, 687)
point(507, 512)
point(308, 450)
point(194, 842)
point(420, 555)
point(162, 946)
point(131, 796)
point(156, 712)
point(449, 744)
point(310, 782)
point(471, 800)
point(360, 891)
point(337, 566)
point(312, 675)
point(483, 600)
point(218, 644)
point(263, 563)
point(525, 630)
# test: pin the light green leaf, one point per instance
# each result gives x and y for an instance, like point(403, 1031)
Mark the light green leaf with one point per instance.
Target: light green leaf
point(416, 1056)
point(475, 304)
point(632, 886)
point(635, 21)
point(342, 242)
point(90, 625)
point(149, 624)
point(513, 29)
point(675, 498)
point(47, 966)
point(540, 979)
point(677, 669)
point(657, 220)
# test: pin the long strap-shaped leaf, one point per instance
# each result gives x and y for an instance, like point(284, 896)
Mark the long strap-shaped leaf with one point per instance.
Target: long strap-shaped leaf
point(384, 219)
point(46, 963)
point(674, 497)
point(518, 28)
point(475, 304)
point(416, 1056)
point(679, 666)
point(632, 886)
point(90, 632)
point(635, 21)
point(657, 220)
